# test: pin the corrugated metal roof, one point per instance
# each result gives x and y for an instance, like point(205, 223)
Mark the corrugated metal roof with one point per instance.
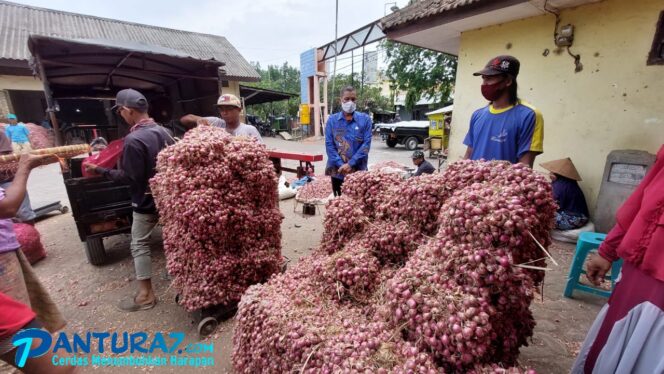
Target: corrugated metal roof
point(18, 21)
point(421, 9)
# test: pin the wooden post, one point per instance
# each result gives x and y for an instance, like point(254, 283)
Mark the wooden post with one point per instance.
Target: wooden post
point(50, 104)
point(317, 116)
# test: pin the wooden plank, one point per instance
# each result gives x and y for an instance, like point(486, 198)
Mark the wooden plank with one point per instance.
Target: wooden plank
point(286, 135)
point(295, 156)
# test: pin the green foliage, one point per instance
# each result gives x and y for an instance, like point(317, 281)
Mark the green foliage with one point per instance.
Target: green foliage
point(369, 98)
point(284, 78)
point(420, 72)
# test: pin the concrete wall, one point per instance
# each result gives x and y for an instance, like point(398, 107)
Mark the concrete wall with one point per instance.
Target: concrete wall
point(14, 82)
point(614, 103)
point(233, 88)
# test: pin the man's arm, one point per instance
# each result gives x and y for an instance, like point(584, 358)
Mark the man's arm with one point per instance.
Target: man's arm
point(531, 138)
point(190, 120)
point(331, 146)
point(116, 175)
point(256, 134)
point(123, 174)
point(469, 153)
point(363, 152)
point(528, 158)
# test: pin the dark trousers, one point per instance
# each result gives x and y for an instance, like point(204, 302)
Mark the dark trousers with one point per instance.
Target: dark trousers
point(336, 186)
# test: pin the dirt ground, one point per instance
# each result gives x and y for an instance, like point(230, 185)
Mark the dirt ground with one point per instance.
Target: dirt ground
point(87, 295)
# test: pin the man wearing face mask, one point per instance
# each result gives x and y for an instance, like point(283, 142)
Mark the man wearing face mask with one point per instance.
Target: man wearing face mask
point(137, 165)
point(347, 140)
point(508, 128)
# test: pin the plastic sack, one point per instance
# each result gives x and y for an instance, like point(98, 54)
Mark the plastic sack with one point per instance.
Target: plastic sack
point(571, 236)
point(284, 191)
point(30, 241)
point(106, 158)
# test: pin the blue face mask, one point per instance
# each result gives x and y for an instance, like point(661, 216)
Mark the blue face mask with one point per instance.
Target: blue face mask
point(348, 107)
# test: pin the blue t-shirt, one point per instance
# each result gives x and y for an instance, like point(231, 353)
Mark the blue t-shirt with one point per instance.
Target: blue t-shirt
point(347, 142)
point(18, 133)
point(505, 134)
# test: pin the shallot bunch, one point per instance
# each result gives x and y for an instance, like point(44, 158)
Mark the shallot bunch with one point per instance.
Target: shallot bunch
point(422, 275)
point(416, 201)
point(379, 166)
point(315, 191)
point(40, 137)
point(217, 199)
point(344, 219)
point(391, 242)
point(352, 273)
point(369, 188)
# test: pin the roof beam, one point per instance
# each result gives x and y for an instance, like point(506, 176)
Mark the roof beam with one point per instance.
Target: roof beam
point(373, 34)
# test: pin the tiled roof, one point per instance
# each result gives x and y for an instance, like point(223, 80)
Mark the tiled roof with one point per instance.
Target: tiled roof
point(422, 9)
point(18, 21)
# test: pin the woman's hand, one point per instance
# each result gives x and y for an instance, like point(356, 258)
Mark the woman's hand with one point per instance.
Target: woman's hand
point(596, 269)
point(29, 161)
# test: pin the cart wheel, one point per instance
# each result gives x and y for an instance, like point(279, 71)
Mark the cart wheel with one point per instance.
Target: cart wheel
point(64, 210)
point(95, 252)
point(207, 326)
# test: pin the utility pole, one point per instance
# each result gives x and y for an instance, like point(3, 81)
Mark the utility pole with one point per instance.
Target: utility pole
point(362, 81)
point(336, 43)
point(352, 68)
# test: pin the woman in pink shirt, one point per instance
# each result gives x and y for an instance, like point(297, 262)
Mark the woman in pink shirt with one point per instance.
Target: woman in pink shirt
point(628, 334)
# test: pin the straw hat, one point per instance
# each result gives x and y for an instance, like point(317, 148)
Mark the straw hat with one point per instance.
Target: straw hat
point(563, 167)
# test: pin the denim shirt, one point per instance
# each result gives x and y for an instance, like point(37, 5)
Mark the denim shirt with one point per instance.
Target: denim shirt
point(347, 142)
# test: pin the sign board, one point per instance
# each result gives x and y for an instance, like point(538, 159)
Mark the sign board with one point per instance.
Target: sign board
point(371, 67)
point(305, 117)
point(307, 69)
point(623, 171)
point(628, 174)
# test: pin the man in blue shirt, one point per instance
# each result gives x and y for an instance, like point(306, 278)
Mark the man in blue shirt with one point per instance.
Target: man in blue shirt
point(347, 140)
point(18, 133)
point(508, 128)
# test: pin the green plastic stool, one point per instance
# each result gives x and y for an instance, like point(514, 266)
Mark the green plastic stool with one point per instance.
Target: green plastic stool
point(588, 242)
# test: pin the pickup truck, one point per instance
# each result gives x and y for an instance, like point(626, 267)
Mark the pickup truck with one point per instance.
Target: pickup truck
point(407, 133)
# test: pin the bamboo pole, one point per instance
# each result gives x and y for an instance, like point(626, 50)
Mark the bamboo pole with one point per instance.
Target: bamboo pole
point(67, 151)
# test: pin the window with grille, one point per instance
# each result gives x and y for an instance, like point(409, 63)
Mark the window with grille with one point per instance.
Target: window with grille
point(657, 52)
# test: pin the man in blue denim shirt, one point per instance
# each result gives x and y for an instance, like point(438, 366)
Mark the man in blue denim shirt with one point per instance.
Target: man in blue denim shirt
point(347, 140)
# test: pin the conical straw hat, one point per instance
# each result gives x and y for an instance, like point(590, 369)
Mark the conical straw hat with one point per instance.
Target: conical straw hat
point(563, 167)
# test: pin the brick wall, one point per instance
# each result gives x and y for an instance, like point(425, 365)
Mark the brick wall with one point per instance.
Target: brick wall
point(5, 105)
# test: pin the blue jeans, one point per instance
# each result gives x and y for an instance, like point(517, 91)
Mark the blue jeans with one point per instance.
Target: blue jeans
point(25, 212)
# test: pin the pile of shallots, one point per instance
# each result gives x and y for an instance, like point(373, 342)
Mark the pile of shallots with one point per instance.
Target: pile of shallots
point(317, 191)
point(40, 137)
point(217, 199)
point(427, 275)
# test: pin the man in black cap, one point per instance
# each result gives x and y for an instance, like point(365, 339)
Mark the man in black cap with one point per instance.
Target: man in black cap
point(508, 128)
point(137, 165)
point(423, 166)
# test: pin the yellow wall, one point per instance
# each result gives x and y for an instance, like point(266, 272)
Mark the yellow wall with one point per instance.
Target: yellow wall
point(616, 102)
point(232, 89)
point(13, 82)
